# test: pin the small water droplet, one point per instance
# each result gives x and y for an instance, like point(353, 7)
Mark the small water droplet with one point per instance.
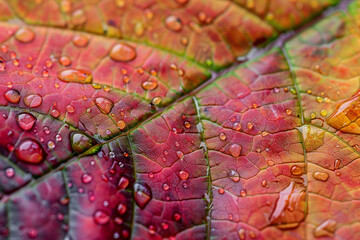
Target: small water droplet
point(183, 175)
point(296, 170)
point(179, 154)
point(80, 142)
point(337, 163)
point(121, 208)
point(166, 186)
point(323, 113)
point(78, 17)
point(51, 144)
point(321, 176)
point(104, 104)
point(234, 175)
point(221, 191)
point(235, 150)
point(288, 112)
point(150, 84)
point(86, 178)
point(29, 151)
point(25, 121)
point(80, 40)
point(75, 75)
point(101, 217)
point(58, 138)
point(121, 124)
point(325, 229)
point(250, 125)
point(65, 61)
point(177, 216)
point(32, 233)
point(173, 23)
point(123, 52)
point(33, 100)
point(123, 183)
point(9, 172)
point(24, 35)
point(142, 194)
point(222, 136)
point(156, 101)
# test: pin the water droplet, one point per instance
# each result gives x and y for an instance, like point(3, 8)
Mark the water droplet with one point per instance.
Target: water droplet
point(221, 191)
point(290, 199)
point(79, 17)
point(80, 40)
point(75, 75)
point(24, 35)
point(321, 176)
point(187, 125)
point(46, 130)
point(234, 175)
point(55, 113)
point(183, 175)
point(45, 74)
point(319, 99)
point(51, 144)
point(33, 100)
point(166, 186)
point(9, 172)
point(80, 142)
point(250, 125)
point(173, 23)
point(32, 233)
point(152, 230)
point(58, 138)
point(156, 101)
point(337, 164)
point(242, 234)
point(288, 112)
point(25, 121)
point(123, 52)
point(66, 6)
point(2, 64)
point(12, 96)
point(237, 126)
point(104, 104)
point(123, 183)
point(86, 178)
point(179, 154)
point(177, 216)
point(121, 124)
point(323, 113)
point(222, 136)
point(121, 208)
point(65, 61)
point(101, 217)
point(29, 151)
point(243, 193)
point(264, 183)
point(325, 229)
point(142, 194)
point(150, 84)
point(296, 170)
point(235, 150)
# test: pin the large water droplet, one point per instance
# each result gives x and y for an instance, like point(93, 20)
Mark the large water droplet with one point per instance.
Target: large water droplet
point(173, 23)
point(29, 151)
point(104, 104)
point(321, 176)
point(235, 150)
point(80, 142)
point(24, 35)
point(12, 96)
point(296, 170)
point(150, 84)
point(142, 194)
point(75, 75)
point(25, 121)
point(290, 206)
point(101, 217)
point(325, 229)
point(346, 114)
point(33, 100)
point(123, 52)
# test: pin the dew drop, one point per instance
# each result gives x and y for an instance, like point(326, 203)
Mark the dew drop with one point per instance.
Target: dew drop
point(32, 233)
point(337, 164)
point(142, 194)
point(80, 41)
point(121, 208)
point(9, 172)
point(288, 112)
point(242, 234)
point(55, 113)
point(29, 151)
point(321, 176)
point(221, 191)
point(166, 186)
point(250, 126)
point(123, 52)
point(183, 175)
point(58, 138)
point(173, 23)
point(104, 104)
point(70, 109)
point(12, 96)
point(33, 100)
point(235, 150)
point(296, 170)
point(25, 121)
point(243, 193)
point(123, 183)
point(150, 84)
point(65, 61)
point(51, 144)
point(79, 17)
point(222, 136)
point(179, 154)
point(75, 75)
point(156, 101)
point(121, 124)
point(80, 142)
point(177, 216)
point(234, 175)
point(86, 178)
point(323, 113)
point(101, 217)
point(24, 35)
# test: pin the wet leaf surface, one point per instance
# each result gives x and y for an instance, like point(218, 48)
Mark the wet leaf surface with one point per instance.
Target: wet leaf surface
point(120, 120)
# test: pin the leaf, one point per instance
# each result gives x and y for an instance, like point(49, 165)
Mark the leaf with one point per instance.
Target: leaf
point(123, 120)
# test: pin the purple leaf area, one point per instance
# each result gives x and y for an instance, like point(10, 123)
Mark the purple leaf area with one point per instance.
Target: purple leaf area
point(179, 120)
